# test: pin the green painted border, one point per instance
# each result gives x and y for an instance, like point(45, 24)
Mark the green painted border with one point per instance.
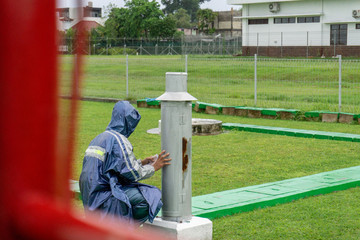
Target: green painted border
point(293, 132)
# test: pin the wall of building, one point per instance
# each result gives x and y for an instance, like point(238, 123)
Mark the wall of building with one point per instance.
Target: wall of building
point(300, 34)
point(302, 51)
point(226, 24)
point(73, 14)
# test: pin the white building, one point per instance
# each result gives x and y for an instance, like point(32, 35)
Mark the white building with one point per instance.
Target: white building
point(90, 15)
point(317, 27)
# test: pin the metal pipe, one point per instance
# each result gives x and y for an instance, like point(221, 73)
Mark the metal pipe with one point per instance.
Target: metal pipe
point(176, 133)
point(340, 79)
point(307, 44)
point(127, 76)
point(281, 48)
point(255, 79)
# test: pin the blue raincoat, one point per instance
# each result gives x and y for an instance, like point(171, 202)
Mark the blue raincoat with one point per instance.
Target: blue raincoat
point(110, 169)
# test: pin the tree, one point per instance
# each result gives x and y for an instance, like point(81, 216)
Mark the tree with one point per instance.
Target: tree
point(191, 6)
point(142, 16)
point(205, 18)
point(70, 33)
point(108, 8)
point(164, 28)
point(183, 19)
point(139, 18)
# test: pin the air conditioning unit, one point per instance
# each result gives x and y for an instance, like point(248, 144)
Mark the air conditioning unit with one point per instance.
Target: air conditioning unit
point(356, 13)
point(274, 7)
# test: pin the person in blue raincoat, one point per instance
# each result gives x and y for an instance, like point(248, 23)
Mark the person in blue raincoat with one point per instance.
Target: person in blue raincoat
point(110, 174)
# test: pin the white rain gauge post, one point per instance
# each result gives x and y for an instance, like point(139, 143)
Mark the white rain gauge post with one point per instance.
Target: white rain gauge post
point(176, 135)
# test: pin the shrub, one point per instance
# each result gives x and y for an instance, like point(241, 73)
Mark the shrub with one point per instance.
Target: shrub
point(116, 51)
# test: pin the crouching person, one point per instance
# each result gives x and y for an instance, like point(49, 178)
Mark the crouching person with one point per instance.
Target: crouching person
point(110, 174)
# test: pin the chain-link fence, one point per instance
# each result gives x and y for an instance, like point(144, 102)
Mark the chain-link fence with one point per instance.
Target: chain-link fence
point(212, 45)
point(305, 84)
point(276, 44)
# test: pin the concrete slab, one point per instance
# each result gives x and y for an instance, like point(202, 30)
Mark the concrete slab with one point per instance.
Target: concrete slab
point(346, 118)
point(313, 115)
point(228, 110)
point(241, 112)
point(252, 113)
point(293, 132)
point(312, 119)
point(269, 112)
point(141, 104)
point(199, 107)
point(212, 110)
point(196, 229)
point(286, 115)
point(233, 201)
point(330, 117)
point(153, 103)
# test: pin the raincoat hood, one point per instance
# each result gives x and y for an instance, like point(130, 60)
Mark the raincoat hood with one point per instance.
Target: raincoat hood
point(124, 118)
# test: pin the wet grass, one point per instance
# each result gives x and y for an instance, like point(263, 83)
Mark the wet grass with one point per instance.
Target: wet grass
point(287, 83)
point(238, 159)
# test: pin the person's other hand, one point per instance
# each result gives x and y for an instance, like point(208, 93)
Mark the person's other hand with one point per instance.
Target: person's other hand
point(162, 160)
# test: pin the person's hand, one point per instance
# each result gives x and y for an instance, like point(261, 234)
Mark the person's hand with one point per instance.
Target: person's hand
point(149, 160)
point(162, 160)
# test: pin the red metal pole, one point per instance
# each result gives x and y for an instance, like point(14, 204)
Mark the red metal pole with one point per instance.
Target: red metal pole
point(35, 199)
point(28, 103)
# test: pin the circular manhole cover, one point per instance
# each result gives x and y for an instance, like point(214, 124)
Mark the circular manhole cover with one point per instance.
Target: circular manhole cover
point(200, 127)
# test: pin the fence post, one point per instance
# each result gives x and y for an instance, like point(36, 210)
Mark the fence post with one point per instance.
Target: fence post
point(255, 79)
point(182, 45)
point(307, 44)
point(234, 47)
point(107, 46)
point(127, 76)
point(257, 43)
point(281, 48)
point(186, 63)
point(220, 46)
point(124, 49)
point(340, 79)
point(334, 42)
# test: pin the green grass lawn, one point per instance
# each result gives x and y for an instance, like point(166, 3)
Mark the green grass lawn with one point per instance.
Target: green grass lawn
point(304, 84)
point(238, 159)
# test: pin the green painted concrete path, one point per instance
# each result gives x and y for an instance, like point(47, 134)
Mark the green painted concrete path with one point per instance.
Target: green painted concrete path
point(293, 132)
point(245, 199)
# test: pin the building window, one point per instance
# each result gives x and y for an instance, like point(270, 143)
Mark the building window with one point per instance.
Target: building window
point(258, 21)
point(308, 19)
point(95, 12)
point(284, 20)
point(357, 26)
point(338, 34)
point(92, 12)
point(63, 12)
